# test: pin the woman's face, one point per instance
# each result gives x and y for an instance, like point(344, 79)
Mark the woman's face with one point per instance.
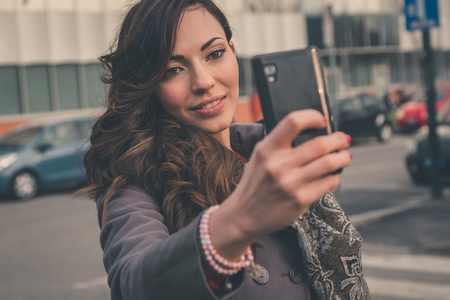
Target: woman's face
point(201, 83)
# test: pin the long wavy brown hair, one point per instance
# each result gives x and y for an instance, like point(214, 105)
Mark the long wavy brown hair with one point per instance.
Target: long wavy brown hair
point(135, 141)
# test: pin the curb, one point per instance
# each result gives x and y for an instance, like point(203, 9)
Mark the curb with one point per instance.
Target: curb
point(375, 215)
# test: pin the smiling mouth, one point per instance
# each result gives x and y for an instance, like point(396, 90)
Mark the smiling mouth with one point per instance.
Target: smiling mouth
point(212, 104)
point(209, 104)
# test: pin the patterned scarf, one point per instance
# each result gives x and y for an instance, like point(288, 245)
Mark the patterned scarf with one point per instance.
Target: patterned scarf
point(331, 249)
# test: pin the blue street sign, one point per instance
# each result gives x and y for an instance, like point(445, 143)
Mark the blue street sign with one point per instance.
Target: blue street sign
point(421, 14)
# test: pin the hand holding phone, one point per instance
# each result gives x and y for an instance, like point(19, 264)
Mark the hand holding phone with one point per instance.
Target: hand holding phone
point(288, 81)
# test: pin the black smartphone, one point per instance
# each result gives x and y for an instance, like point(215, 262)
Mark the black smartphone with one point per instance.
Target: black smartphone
point(288, 81)
point(292, 80)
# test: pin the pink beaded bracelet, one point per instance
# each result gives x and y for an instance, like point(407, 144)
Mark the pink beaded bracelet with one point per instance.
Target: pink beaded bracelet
point(215, 260)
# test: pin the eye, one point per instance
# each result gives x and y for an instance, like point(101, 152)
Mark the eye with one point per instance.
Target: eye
point(171, 72)
point(216, 54)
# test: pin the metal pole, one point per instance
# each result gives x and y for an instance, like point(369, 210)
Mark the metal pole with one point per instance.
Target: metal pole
point(428, 63)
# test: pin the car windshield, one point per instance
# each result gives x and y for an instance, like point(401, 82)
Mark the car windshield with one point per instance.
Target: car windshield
point(349, 105)
point(19, 138)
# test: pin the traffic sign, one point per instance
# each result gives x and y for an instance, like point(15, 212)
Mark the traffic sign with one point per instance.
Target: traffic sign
point(421, 14)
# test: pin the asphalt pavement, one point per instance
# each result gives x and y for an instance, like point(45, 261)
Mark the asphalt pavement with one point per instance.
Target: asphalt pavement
point(400, 221)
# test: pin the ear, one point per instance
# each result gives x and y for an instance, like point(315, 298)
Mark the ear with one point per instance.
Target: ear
point(232, 47)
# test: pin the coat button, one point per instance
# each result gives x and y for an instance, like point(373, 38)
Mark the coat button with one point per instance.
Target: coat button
point(261, 275)
point(295, 276)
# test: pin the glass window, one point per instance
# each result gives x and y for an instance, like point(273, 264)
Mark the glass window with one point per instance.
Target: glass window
point(412, 67)
point(85, 127)
point(314, 31)
point(353, 72)
point(247, 84)
point(38, 87)
point(391, 30)
point(394, 68)
point(342, 31)
point(61, 134)
point(357, 31)
point(363, 74)
point(369, 103)
point(344, 62)
point(9, 87)
point(68, 91)
point(350, 105)
point(374, 26)
point(440, 65)
point(96, 89)
point(20, 138)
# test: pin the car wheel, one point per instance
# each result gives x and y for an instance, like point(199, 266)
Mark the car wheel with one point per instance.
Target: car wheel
point(386, 133)
point(25, 186)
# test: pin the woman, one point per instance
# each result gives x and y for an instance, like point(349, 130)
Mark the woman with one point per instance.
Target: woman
point(165, 151)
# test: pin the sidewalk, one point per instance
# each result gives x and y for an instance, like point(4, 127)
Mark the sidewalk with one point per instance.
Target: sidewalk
point(417, 224)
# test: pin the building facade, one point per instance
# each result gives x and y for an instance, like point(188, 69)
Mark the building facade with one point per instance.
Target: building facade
point(49, 54)
point(48, 58)
point(364, 44)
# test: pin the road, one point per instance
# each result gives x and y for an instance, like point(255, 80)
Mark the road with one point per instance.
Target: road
point(378, 180)
point(377, 172)
point(50, 250)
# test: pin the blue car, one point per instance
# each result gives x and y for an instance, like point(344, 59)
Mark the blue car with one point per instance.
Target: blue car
point(42, 155)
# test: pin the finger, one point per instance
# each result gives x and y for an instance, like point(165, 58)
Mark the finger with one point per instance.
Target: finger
point(312, 149)
point(325, 165)
point(320, 145)
point(292, 125)
point(297, 177)
point(316, 189)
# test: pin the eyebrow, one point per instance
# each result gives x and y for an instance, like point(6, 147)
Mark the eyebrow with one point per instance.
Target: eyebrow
point(206, 45)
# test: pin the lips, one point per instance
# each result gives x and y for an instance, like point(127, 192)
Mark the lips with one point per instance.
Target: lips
point(210, 103)
point(210, 107)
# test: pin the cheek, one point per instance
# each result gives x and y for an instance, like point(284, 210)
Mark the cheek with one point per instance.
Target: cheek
point(234, 73)
point(230, 75)
point(171, 97)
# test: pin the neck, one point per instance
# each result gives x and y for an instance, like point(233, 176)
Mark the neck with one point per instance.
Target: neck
point(223, 137)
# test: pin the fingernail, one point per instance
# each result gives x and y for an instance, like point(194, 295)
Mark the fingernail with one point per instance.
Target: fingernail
point(351, 155)
point(349, 139)
point(324, 120)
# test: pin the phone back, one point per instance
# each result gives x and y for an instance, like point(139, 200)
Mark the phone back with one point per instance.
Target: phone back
point(289, 81)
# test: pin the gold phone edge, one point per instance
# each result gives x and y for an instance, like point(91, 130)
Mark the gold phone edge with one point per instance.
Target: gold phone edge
point(321, 88)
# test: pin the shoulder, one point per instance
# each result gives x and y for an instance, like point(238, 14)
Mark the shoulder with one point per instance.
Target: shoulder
point(132, 192)
point(132, 198)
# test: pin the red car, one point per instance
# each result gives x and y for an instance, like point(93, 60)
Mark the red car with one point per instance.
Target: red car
point(413, 114)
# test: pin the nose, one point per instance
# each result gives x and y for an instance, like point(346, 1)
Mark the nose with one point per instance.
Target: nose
point(202, 79)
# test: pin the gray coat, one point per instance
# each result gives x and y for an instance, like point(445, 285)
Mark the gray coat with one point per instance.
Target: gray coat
point(144, 262)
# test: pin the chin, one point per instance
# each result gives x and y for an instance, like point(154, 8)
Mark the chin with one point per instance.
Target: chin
point(216, 129)
point(215, 125)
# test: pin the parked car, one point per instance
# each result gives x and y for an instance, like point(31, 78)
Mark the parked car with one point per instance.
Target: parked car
point(418, 158)
point(364, 115)
point(413, 114)
point(42, 155)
